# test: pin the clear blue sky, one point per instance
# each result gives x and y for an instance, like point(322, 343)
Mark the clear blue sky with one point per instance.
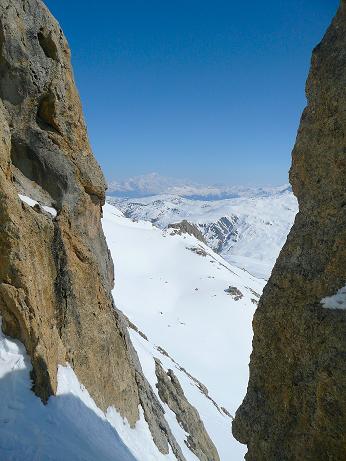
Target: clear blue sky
point(206, 90)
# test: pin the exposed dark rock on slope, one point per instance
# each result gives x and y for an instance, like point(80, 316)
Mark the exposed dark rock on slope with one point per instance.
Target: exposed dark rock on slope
point(184, 227)
point(171, 392)
point(295, 407)
point(56, 273)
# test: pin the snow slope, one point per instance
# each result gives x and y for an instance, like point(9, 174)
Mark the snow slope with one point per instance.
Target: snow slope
point(56, 431)
point(70, 427)
point(248, 232)
point(173, 288)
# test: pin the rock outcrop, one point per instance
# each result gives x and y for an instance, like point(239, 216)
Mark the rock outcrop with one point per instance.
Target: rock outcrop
point(295, 407)
point(184, 227)
point(171, 393)
point(56, 273)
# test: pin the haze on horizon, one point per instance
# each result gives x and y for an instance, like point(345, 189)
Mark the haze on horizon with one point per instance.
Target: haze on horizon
point(209, 92)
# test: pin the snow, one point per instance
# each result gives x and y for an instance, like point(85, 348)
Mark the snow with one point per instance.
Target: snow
point(70, 427)
point(29, 201)
point(258, 225)
point(139, 439)
point(337, 301)
point(178, 299)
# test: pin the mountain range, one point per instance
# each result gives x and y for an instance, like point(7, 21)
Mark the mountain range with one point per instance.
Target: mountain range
point(247, 231)
point(155, 184)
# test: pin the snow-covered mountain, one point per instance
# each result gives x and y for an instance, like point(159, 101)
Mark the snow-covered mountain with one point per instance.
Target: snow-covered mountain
point(155, 184)
point(247, 231)
point(193, 312)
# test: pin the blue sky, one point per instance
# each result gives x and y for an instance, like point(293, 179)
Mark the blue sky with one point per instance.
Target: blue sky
point(206, 90)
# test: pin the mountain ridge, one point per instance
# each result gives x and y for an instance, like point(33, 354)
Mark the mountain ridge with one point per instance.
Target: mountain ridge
point(247, 232)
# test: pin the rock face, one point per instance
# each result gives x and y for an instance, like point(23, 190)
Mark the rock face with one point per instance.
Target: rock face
point(295, 407)
point(55, 272)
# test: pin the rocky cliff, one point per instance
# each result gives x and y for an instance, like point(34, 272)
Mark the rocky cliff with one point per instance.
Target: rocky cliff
point(295, 407)
point(56, 273)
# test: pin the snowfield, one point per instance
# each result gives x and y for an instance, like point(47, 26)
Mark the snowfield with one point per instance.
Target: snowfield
point(172, 288)
point(248, 232)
